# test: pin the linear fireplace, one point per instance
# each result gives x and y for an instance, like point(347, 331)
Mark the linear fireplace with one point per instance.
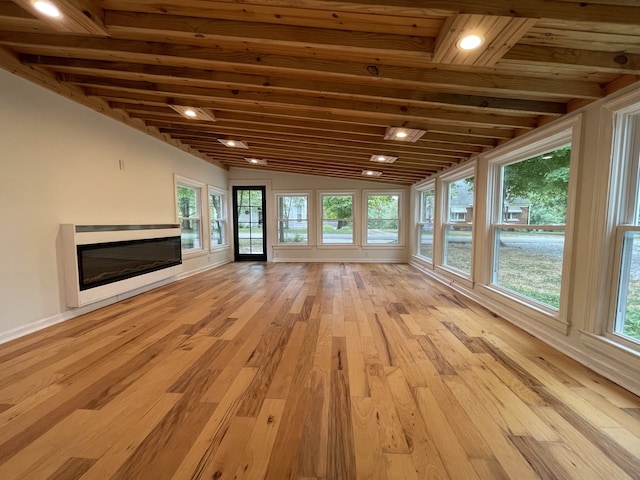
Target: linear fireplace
point(103, 261)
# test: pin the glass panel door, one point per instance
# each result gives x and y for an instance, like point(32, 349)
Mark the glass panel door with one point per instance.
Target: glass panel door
point(249, 208)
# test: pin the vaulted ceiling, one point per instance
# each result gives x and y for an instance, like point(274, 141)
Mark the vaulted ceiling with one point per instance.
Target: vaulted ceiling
point(313, 86)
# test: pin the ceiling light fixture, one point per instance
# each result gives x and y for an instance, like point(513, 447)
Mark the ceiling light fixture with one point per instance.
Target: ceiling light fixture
point(470, 42)
point(233, 143)
point(256, 161)
point(547, 156)
point(371, 173)
point(193, 113)
point(383, 158)
point(403, 134)
point(47, 8)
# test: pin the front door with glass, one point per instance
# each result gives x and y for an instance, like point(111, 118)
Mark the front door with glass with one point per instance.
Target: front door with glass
point(249, 209)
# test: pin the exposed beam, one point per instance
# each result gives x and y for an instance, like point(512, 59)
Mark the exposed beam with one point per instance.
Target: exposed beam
point(452, 81)
point(587, 60)
point(389, 113)
point(207, 78)
point(77, 16)
point(117, 95)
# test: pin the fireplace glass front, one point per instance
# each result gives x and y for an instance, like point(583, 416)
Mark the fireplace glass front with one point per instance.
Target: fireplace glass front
point(104, 263)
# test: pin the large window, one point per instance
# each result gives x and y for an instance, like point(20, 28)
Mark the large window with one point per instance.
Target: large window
point(529, 221)
point(383, 212)
point(425, 223)
point(293, 219)
point(217, 217)
point(458, 227)
point(189, 209)
point(627, 314)
point(337, 218)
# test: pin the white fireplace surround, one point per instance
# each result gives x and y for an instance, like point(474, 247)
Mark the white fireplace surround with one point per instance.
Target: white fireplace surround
point(73, 235)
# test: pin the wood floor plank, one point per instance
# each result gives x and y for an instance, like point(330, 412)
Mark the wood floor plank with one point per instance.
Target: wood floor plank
point(295, 371)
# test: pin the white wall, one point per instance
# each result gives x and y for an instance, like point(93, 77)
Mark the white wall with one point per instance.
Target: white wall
point(276, 182)
point(59, 163)
point(581, 334)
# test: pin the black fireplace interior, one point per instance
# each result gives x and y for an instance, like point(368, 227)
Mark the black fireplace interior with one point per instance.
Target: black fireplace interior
point(104, 263)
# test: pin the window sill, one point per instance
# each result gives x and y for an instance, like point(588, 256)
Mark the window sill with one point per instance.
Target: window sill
point(187, 254)
point(293, 245)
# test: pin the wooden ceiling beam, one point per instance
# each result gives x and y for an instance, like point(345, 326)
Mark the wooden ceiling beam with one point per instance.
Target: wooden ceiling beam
point(207, 78)
point(390, 113)
point(209, 30)
point(539, 9)
point(364, 132)
point(77, 16)
point(116, 95)
point(586, 60)
point(315, 137)
point(450, 81)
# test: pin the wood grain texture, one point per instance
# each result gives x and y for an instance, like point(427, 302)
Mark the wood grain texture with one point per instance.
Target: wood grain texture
point(322, 371)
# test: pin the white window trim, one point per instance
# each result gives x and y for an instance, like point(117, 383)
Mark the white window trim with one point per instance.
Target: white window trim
point(442, 204)
point(558, 134)
point(355, 208)
point(310, 222)
point(204, 216)
point(225, 208)
point(365, 219)
point(430, 185)
point(624, 197)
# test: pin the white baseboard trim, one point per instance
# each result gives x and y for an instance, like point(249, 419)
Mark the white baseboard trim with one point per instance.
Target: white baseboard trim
point(335, 260)
point(43, 323)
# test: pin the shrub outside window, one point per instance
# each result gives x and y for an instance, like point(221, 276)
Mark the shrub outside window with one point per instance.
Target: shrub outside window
point(383, 211)
point(293, 219)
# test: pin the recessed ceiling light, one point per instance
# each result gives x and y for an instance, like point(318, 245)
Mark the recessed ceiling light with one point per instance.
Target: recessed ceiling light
point(383, 158)
point(233, 143)
point(403, 134)
point(371, 173)
point(470, 42)
point(193, 113)
point(256, 161)
point(47, 8)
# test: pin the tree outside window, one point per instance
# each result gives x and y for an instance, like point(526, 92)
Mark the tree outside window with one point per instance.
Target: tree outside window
point(382, 218)
point(189, 218)
point(293, 223)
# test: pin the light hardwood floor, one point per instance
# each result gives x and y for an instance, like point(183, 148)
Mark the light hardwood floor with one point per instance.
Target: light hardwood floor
point(306, 371)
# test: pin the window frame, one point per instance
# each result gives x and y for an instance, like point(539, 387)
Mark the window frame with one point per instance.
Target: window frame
point(199, 187)
point(430, 186)
point(308, 219)
point(224, 208)
point(562, 133)
point(354, 219)
point(365, 218)
point(626, 198)
point(442, 192)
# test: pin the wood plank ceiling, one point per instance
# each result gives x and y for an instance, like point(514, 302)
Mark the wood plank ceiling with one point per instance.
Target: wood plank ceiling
point(312, 86)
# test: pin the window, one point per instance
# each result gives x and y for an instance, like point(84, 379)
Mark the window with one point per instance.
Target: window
point(217, 217)
point(337, 218)
point(293, 219)
point(425, 224)
point(458, 228)
point(189, 208)
point(529, 220)
point(627, 313)
point(383, 211)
